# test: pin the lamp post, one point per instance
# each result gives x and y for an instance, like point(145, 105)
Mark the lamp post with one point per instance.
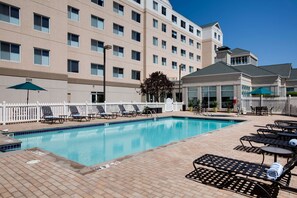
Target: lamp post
point(179, 74)
point(106, 47)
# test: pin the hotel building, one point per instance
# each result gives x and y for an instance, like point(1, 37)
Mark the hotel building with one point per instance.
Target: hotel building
point(59, 45)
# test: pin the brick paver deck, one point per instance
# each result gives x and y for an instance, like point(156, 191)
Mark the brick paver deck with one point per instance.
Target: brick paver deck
point(156, 173)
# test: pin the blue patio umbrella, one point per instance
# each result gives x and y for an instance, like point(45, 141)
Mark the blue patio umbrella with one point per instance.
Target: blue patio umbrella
point(27, 86)
point(261, 91)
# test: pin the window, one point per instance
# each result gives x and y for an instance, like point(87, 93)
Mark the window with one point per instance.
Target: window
point(97, 46)
point(215, 35)
point(182, 24)
point(183, 38)
point(215, 47)
point(118, 51)
point(41, 56)
point(135, 36)
point(198, 32)
point(97, 22)
point(209, 96)
point(163, 27)
point(245, 90)
point(163, 44)
point(118, 8)
point(73, 66)
point(174, 50)
point(155, 59)
point(242, 60)
point(183, 67)
point(191, 42)
point(198, 45)
point(174, 34)
point(155, 41)
point(164, 61)
point(41, 23)
point(155, 6)
point(96, 69)
point(73, 13)
point(174, 65)
point(9, 51)
point(118, 29)
point(191, 69)
point(183, 52)
point(97, 97)
point(191, 55)
point(118, 72)
point(73, 40)
point(98, 2)
point(219, 37)
point(155, 23)
point(135, 55)
point(191, 28)
point(9, 14)
point(164, 11)
point(137, 1)
point(135, 16)
point(174, 19)
point(227, 94)
point(198, 58)
point(192, 96)
point(135, 75)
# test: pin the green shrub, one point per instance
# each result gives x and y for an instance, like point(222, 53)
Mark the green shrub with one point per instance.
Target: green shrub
point(293, 94)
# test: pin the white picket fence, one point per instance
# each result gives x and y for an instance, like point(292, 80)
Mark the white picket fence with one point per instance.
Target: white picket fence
point(17, 113)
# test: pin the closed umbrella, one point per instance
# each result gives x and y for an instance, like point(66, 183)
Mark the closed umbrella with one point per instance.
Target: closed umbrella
point(261, 91)
point(27, 86)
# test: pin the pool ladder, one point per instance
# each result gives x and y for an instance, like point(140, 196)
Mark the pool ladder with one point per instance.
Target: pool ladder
point(153, 112)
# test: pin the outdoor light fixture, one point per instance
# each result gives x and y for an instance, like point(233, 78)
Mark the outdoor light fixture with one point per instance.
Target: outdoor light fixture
point(106, 47)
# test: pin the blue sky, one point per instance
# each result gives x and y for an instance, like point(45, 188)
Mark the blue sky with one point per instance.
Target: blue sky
point(267, 28)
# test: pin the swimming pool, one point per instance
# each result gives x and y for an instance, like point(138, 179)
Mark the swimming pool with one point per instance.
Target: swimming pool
point(96, 144)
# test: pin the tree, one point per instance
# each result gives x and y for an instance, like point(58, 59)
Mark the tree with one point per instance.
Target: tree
point(157, 85)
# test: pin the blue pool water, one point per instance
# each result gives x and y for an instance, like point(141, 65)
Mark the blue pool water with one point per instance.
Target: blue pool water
point(96, 144)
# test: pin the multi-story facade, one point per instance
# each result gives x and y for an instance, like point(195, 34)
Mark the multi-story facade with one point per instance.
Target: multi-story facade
point(59, 46)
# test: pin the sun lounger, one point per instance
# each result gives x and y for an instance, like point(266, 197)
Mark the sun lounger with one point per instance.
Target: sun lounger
point(266, 141)
point(243, 169)
point(126, 113)
point(103, 114)
point(48, 115)
point(76, 115)
point(137, 110)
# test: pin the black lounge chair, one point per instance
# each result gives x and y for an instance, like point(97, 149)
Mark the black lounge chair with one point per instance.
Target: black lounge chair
point(48, 115)
point(103, 114)
point(126, 113)
point(241, 170)
point(137, 110)
point(253, 110)
point(284, 125)
point(264, 132)
point(76, 115)
point(266, 141)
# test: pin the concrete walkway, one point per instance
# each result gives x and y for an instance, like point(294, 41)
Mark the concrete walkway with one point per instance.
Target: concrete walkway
point(156, 173)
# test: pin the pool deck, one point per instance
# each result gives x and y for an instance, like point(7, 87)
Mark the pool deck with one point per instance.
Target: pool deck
point(158, 172)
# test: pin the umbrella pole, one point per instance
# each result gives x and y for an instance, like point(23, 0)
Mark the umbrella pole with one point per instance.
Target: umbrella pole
point(27, 96)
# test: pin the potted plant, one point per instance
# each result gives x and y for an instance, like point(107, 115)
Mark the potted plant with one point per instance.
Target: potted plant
point(215, 106)
point(190, 105)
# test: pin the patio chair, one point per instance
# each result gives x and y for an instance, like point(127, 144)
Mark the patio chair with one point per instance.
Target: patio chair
point(126, 113)
point(253, 110)
point(102, 114)
point(76, 115)
point(137, 110)
point(48, 115)
point(240, 170)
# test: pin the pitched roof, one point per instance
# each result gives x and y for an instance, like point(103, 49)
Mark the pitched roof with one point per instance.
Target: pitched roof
point(214, 69)
point(253, 70)
point(293, 75)
point(283, 70)
point(208, 25)
point(238, 51)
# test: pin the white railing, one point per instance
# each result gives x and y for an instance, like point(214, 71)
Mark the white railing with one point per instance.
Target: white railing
point(17, 113)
